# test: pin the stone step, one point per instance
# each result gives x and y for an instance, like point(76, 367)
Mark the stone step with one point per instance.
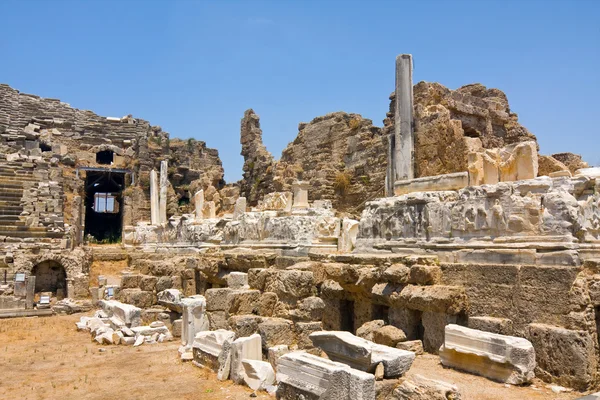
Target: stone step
point(6, 213)
point(13, 228)
point(13, 190)
point(10, 185)
point(11, 197)
point(10, 218)
point(56, 235)
point(11, 208)
point(9, 203)
point(18, 178)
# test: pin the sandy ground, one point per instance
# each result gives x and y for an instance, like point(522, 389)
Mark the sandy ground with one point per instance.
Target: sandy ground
point(474, 387)
point(46, 358)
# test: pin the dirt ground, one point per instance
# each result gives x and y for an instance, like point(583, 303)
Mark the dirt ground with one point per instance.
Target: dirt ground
point(46, 358)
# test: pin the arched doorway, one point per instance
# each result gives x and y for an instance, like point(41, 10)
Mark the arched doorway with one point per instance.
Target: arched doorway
point(50, 276)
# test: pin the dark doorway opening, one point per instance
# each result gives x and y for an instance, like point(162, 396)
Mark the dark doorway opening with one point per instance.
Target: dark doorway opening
point(105, 157)
point(347, 316)
point(103, 210)
point(183, 201)
point(50, 276)
point(381, 312)
point(419, 329)
point(45, 147)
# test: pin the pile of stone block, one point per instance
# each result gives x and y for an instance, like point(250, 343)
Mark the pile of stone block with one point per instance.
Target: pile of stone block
point(118, 323)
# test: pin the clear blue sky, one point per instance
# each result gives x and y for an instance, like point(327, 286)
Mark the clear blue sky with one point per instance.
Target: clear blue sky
point(194, 67)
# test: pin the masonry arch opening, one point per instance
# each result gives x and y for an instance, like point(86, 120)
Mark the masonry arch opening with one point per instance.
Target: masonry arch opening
point(50, 276)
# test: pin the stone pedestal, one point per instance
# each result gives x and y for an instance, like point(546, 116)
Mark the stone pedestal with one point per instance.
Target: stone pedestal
point(199, 204)
point(300, 190)
point(30, 292)
point(194, 321)
point(240, 207)
point(164, 184)
point(154, 202)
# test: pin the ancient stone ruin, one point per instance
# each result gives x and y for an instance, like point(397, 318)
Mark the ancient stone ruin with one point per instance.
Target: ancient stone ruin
point(322, 274)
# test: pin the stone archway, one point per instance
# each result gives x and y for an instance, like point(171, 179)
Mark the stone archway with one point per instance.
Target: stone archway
point(50, 276)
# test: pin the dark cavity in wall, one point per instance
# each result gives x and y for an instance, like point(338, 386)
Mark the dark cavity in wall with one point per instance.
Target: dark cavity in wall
point(50, 276)
point(381, 312)
point(103, 205)
point(347, 316)
point(105, 157)
point(45, 147)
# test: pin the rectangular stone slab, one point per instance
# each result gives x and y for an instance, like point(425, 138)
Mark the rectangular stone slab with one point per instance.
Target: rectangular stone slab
point(502, 358)
point(455, 181)
point(363, 354)
point(300, 373)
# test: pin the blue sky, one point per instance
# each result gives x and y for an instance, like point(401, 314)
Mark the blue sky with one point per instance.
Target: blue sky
point(194, 67)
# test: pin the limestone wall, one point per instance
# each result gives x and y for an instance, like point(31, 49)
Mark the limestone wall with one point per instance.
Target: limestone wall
point(52, 131)
point(342, 156)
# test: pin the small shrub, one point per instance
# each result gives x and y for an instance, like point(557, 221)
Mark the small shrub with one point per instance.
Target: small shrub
point(354, 124)
point(342, 181)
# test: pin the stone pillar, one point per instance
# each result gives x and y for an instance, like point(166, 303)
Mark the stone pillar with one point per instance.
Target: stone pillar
point(164, 183)
point(239, 208)
point(30, 292)
point(194, 321)
point(199, 204)
point(154, 203)
point(300, 194)
point(403, 120)
point(70, 288)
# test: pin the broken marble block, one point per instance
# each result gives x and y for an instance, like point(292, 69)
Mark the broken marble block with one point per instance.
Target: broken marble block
point(304, 375)
point(259, 375)
point(208, 346)
point(170, 298)
point(128, 314)
point(194, 321)
point(502, 358)
point(244, 348)
point(363, 354)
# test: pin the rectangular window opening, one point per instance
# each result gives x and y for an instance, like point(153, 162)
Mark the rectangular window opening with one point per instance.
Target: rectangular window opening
point(106, 203)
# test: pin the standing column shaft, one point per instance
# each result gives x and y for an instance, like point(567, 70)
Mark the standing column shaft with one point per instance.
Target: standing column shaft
point(154, 203)
point(164, 182)
point(403, 123)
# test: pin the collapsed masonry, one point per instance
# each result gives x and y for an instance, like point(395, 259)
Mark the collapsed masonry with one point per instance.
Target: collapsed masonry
point(479, 237)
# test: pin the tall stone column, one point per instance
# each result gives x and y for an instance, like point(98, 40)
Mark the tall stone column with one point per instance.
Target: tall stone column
point(403, 123)
point(154, 203)
point(164, 183)
point(199, 204)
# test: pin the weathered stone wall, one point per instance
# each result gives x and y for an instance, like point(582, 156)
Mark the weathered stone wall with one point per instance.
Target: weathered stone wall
point(448, 123)
point(53, 132)
point(285, 298)
point(342, 156)
point(258, 162)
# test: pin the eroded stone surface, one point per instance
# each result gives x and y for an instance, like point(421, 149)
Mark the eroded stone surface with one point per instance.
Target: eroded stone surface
point(503, 358)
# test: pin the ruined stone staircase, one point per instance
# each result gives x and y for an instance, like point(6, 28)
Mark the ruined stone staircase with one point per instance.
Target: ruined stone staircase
point(14, 175)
